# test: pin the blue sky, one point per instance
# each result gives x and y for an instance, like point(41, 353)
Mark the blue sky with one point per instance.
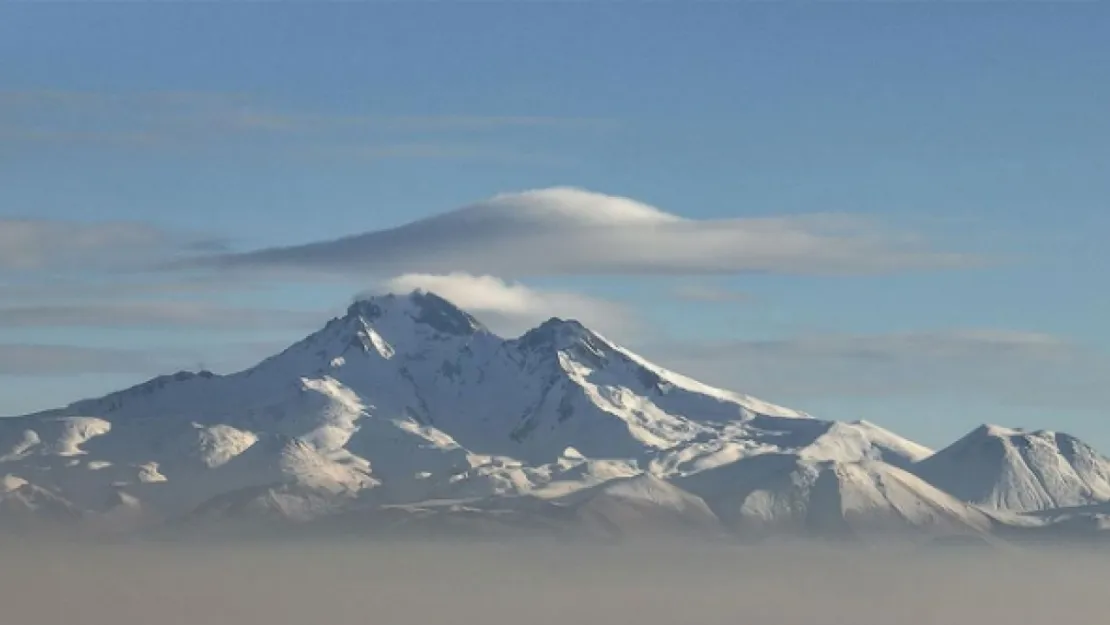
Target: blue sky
point(130, 131)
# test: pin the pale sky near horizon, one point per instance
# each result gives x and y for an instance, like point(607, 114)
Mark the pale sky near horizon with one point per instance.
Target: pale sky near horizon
point(133, 133)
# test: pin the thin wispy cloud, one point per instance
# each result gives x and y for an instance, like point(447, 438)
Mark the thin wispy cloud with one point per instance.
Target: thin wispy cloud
point(406, 123)
point(1022, 368)
point(156, 314)
point(70, 274)
point(75, 287)
point(566, 231)
point(37, 244)
point(474, 152)
point(61, 136)
point(51, 360)
point(162, 119)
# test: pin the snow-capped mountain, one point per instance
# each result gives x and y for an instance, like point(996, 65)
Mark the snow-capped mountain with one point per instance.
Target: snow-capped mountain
point(408, 401)
point(1020, 471)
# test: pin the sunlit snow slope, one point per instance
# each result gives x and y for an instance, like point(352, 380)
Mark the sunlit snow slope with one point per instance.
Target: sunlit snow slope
point(1020, 471)
point(408, 399)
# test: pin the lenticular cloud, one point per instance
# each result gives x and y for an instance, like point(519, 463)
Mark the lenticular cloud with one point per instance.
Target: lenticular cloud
point(566, 231)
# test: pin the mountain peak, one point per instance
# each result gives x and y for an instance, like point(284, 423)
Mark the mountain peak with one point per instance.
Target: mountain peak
point(1019, 470)
point(559, 334)
point(995, 431)
point(371, 308)
point(419, 306)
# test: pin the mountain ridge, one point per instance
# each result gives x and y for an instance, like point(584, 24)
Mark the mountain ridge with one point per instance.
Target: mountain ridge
point(407, 398)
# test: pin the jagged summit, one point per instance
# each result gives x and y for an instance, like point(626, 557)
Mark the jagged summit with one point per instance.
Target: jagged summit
point(560, 334)
point(419, 306)
point(383, 324)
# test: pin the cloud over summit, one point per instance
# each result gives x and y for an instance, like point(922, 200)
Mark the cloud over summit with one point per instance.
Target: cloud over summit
point(568, 231)
point(511, 308)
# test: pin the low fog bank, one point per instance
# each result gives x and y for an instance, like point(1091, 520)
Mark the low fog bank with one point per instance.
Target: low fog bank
point(407, 583)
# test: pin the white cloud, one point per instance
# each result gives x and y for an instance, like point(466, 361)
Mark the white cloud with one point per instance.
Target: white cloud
point(511, 308)
point(1018, 368)
point(565, 231)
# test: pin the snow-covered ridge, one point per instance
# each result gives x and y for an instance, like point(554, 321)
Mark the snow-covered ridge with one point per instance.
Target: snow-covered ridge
point(407, 400)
